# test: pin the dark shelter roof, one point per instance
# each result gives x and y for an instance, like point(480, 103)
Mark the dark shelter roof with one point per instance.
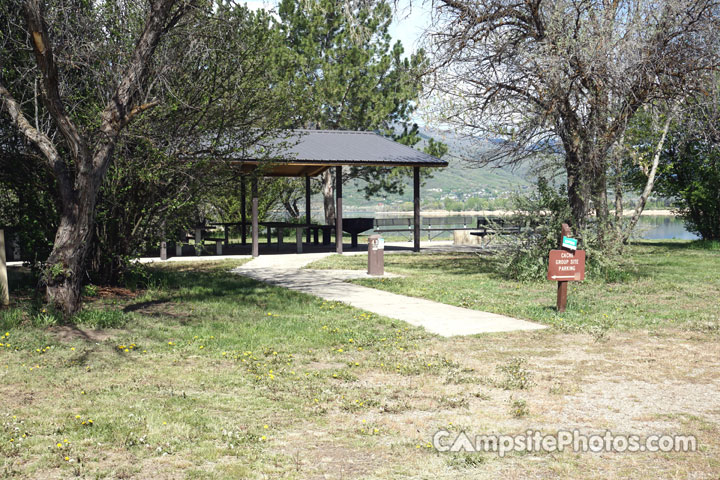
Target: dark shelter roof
point(311, 152)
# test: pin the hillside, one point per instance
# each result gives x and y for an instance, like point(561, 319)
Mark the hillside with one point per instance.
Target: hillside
point(459, 181)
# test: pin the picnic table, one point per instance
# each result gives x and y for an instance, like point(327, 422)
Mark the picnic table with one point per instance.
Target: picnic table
point(432, 225)
point(353, 226)
point(280, 226)
point(225, 226)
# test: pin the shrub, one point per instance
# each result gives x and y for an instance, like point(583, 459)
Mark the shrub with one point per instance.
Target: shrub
point(516, 375)
point(10, 318)
point(90, 290)
point(541, 214)
point(518, 407)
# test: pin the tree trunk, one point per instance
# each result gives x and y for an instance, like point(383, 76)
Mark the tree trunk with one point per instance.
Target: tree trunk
point(600, 197)
point(292, 208)
point(618, 157)
point(65, 267)
point(618, 173)
point(578, 192)
point(80, 180)
point(328, 191)
point(602, 211)
point(651, 177)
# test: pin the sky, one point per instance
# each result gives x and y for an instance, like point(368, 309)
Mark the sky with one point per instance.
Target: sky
point(409, 23)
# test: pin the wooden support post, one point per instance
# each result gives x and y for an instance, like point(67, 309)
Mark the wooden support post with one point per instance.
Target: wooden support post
point(243, 214)
point(299, 239)
point(562, 286)
point(15, 244)
point(163, 245)
point(255, 240)
point(198, 241)
point(218, 248)
point(4, 288)
point(416, 209)
point(307, 206)
point(179, 245)
point(338, 210)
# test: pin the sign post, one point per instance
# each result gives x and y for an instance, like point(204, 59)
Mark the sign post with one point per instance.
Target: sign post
point(566, 265)
point(4, 289)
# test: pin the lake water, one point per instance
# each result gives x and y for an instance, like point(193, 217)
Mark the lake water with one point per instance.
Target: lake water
point(650, 227)
point(662, 228)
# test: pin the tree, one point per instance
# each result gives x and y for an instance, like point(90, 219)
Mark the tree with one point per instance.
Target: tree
point(225, 90)
point(350, 77)
point(688, 164)
point(98, 67)
point(566, 77)
point(82, 154)
point(644, 157)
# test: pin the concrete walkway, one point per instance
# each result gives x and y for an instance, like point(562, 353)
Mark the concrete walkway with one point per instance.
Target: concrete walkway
point(446, 320)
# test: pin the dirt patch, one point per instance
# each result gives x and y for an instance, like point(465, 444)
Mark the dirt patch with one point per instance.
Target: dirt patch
point(116, 292)
point(640, 407)
point(319, 455)
point(15, 397)
point(325, 365)
point(640, 383)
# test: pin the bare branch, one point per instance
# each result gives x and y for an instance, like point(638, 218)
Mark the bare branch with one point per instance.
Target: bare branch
point(141, 108)
point(119, 111)
point(42, 47)
point(38, 138)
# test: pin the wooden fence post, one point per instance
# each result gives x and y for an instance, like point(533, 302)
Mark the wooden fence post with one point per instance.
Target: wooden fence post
point(4, 289)
point(562, 286)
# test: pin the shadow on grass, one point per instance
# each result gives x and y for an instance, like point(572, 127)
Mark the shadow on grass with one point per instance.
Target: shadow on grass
point(141, 306)
point(665, 244)
point(454, 264)
point(674, 245)
point(202, 285)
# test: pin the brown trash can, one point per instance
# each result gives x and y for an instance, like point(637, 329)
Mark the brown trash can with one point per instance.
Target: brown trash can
point(376, 255)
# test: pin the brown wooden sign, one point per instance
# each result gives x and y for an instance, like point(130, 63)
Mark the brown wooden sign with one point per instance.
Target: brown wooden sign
point(566, 266)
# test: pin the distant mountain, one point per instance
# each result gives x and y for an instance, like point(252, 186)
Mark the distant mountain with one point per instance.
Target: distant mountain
point(461, 180)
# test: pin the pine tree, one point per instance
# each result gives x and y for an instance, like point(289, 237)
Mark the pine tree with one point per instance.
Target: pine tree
point(351, 77)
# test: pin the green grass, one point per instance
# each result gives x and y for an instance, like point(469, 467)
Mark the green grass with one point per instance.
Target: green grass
point(670, 283)
point(206, 374)
point(194, 367)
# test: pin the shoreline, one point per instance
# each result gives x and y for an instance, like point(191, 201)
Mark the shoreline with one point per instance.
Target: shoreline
point(496, 213)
